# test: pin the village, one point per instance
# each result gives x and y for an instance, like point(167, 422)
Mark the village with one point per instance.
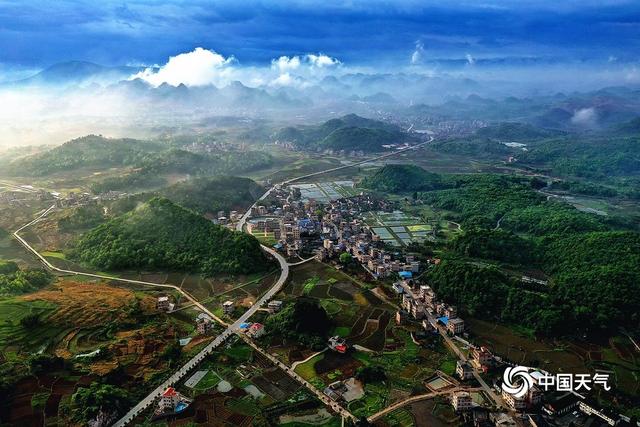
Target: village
point(335, 232)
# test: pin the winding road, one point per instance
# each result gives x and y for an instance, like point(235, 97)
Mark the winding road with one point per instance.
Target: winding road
point(231, 329)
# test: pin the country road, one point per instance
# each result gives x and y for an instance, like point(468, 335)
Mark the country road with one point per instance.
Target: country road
point(417, 398)
point(193, 362)
point(231, 329)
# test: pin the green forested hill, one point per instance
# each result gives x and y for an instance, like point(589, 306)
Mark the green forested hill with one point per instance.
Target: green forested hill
point(210, 195)
point(358, 138)
point(403, 178)
point(350, 132)
point(516, 132)
point(593, 266)
point(146, 163)
point(161, 234)
point(88, 151)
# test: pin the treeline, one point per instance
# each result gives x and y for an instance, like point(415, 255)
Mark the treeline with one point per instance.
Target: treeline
point(210, 195)
point(349, 133)
point(161, 234)
point(15, 281)
point(404, 178)
point(593, 262)
point(153, 168)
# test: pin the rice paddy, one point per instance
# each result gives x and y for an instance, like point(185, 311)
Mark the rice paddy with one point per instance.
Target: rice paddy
point(397, 228)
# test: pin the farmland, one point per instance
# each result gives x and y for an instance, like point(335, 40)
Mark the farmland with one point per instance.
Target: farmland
point(101, 332)
point(327, 190)
point(366, 323)
point(241, 387)
point(398, 228)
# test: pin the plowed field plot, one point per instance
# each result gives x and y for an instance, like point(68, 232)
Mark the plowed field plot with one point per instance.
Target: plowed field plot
point(332, 362)
point(276, 383)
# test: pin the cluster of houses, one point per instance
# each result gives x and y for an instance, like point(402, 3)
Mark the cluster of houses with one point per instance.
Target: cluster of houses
point(421, 304)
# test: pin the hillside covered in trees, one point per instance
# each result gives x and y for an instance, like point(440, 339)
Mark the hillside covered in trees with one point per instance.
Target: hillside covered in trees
point(143, 164)
point(349, 133)
point(402, 178)
point(210, 195)
point(593, 262)
point(15, 281)
point(160, 234)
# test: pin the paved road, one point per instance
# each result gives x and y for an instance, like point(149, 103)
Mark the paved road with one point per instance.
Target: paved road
point(414, 399)
point(319, 394)
point(496, 399)
point(193, 362)
point(235, 326)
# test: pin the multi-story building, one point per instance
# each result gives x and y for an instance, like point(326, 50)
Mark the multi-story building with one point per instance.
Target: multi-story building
point(163, 304)
point(169, 399)
point(227, 307)
point(482, 358)
point(455, 326)
point(462, 401)
point(515, 403)
point(464, 370)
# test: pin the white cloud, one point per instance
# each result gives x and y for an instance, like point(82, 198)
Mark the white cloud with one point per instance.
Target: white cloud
point(286, 63)
point(199, 67)
point(321, 61)
point(470, 59)
point(289, 80)
point(418, 53)
point(584, 116)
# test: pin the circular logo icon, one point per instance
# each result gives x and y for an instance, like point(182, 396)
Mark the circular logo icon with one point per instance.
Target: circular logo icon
point(517, 381)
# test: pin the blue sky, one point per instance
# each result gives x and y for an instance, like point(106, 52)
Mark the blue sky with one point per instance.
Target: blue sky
point(39, 33)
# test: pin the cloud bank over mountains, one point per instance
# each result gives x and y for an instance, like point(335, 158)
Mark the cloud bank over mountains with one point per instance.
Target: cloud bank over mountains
point(202, 67)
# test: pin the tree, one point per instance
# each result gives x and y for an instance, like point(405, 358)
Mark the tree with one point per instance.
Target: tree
point(89, 402)
point(41, 363)
point(371, 374)
point(31, 320)
point(345, 258)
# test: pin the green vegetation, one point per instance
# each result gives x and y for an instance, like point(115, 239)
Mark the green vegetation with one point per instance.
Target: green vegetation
point(496, 244)
point(88, 402)
point(593, 266)
point(356, 138)
point(350, 132)
point(147, 163)
point(371, 374)
point(590, 156)
point(304, 321)
point(403, 178)
point(14, 281)
point(516, 132)
point(210, 195)
point(88, 151)
point(308, 286)
point(160, 234)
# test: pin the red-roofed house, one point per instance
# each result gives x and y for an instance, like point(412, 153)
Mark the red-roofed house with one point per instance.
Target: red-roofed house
point(256, 330)
point(169, 399)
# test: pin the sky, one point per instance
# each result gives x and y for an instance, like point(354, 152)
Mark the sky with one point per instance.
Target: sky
point(38, 33)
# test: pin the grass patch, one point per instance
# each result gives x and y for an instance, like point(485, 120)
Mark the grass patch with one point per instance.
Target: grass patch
point(307, 370)
point(309, 284)
point(342, 331)
point(38, 400)
point(210, 380)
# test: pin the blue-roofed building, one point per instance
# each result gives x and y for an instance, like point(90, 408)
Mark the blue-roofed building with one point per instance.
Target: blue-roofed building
point(245, 326)
point(444, 320)
point(405, 274)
